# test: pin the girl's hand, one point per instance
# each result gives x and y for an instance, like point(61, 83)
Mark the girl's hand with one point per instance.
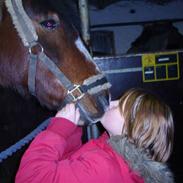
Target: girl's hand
point(69, 112)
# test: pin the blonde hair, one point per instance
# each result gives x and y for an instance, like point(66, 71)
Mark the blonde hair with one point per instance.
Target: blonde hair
point(148, 123)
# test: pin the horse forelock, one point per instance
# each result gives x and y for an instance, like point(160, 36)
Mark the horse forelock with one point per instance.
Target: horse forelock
point(66, 9)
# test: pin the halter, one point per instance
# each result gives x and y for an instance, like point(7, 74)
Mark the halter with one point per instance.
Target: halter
point(29, 37)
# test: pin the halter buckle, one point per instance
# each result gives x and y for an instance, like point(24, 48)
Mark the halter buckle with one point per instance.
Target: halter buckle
point(76, 93)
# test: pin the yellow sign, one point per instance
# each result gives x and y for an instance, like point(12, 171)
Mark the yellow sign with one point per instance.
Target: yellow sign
point(160, 66)
point(148, 60)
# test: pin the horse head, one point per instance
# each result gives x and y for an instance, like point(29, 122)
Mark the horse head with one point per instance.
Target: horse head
point(43, 54)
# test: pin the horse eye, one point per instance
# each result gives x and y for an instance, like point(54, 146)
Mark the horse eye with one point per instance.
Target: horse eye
point(49, 24)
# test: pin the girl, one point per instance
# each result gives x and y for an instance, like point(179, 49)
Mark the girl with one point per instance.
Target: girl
point(137, 143)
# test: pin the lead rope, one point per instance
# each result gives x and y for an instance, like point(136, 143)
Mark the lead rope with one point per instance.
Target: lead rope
point(92, 132)
point(17, 146)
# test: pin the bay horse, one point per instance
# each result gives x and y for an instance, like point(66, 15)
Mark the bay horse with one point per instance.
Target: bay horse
point(47, 58)
point(42, 55)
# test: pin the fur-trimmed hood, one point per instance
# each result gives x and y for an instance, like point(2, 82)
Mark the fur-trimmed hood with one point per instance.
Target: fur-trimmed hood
point(151, 171)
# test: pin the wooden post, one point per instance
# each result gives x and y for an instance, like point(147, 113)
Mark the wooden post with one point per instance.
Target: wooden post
point(84, 15)
point(92, 130)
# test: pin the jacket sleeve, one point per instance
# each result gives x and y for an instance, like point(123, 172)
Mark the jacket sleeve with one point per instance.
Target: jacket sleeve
point(41, 159)
point(45, 160)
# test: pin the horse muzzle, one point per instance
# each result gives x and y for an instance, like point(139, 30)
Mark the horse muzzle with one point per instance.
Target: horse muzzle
point(92, 112)
point(92, 98)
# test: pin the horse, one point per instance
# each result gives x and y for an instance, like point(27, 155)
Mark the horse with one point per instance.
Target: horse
point(43, 58)
point(157, 37)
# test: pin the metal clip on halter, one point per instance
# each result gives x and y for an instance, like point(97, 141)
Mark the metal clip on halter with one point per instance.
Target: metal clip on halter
point(76, 93)
point(36, 48)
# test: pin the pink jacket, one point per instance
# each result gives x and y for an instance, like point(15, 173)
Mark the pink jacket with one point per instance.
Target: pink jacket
point(56, 155)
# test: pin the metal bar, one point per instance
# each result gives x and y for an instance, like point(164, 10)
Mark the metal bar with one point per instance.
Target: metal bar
point(126, 70)
point(133, 23)
point(84, 15)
